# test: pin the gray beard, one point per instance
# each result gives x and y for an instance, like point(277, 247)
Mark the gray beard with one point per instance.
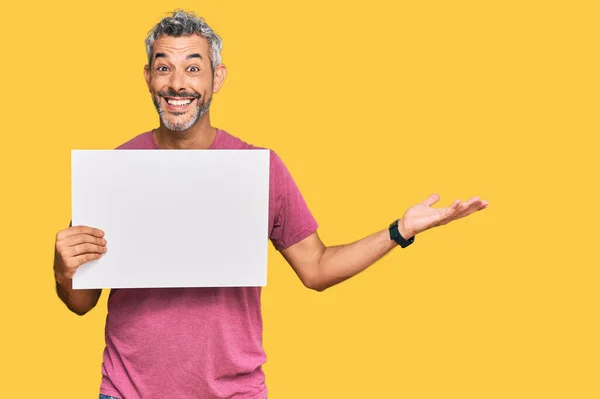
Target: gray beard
point(201, 110)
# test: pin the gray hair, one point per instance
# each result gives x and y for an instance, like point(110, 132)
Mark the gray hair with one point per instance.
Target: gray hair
point(182, 23)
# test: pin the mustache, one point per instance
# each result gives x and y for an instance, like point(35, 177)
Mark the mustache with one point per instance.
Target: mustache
point(173, 93)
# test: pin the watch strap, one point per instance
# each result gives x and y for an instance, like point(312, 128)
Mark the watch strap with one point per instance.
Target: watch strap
point(397, 237)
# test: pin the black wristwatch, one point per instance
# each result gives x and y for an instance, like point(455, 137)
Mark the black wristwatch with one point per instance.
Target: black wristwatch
point(396, 236)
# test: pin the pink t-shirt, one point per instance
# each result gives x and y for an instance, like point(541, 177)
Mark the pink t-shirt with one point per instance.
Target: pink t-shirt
point(198, 343)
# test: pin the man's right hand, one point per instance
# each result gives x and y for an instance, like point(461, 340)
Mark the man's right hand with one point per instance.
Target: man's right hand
point(75, 246)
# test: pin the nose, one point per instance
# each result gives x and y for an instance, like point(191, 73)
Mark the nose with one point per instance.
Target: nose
point(177, 82)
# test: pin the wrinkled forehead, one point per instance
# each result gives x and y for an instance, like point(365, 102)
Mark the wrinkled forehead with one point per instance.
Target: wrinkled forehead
point(180, 47)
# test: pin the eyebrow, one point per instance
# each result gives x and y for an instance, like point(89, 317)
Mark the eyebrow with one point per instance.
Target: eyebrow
point(163, 55)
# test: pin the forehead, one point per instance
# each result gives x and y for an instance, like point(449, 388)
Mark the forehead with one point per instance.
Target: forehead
point(181, 45)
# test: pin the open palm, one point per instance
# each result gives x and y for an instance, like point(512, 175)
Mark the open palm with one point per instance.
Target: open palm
point(422, 216)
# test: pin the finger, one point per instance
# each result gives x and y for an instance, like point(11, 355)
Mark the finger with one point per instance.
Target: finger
point(459, 210)
point(478, 205)
point(71, 231)
point(86, 249)
point(463, 205)
point(82, 239)
point(482, 205)
point(474, 204)
point(451, 210)
point(445, 215)
point(432, 199)
point(77, 261)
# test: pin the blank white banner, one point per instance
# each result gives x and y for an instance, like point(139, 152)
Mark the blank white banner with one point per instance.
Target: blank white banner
point(173, 218)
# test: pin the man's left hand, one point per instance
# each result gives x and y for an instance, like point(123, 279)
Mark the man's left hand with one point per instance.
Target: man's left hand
point(422, 216)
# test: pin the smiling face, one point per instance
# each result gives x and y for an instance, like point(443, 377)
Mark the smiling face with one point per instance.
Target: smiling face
point(181, 80)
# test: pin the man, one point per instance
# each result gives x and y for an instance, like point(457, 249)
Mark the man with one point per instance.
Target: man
point(207, 342)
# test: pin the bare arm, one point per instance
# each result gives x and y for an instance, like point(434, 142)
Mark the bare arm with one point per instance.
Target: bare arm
point(78, 301)
point(320, 267)
point(74, 247)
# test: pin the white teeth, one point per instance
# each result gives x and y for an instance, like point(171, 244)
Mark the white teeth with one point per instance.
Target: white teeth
point(178, 102)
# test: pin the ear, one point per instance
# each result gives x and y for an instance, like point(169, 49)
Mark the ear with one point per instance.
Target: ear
point(219, 78)
point(147, 76)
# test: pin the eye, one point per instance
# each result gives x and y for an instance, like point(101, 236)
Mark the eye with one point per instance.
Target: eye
point(194, 69)
point(162, 68)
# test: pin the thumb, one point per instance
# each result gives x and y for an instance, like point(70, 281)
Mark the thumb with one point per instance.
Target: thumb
point(432, 199)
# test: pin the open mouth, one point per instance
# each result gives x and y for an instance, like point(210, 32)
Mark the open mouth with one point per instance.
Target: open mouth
point(178, 102)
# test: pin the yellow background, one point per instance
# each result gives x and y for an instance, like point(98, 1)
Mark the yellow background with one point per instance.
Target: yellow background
point(372, 106)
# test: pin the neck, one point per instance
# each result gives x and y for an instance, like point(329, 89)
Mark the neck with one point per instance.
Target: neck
point(199, 136)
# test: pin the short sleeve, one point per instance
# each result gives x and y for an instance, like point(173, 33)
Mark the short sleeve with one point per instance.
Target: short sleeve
point(292, 220)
